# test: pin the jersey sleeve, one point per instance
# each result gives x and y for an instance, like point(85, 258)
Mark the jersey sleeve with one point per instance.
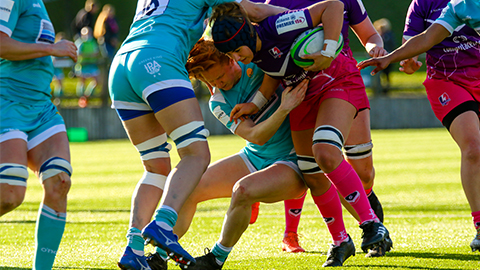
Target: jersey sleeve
point(9, 13)
point(415, 20)
point(221, 110)
point(449, 18)
point(356, 11)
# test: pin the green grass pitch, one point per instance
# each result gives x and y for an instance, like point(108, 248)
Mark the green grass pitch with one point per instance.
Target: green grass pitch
point(417, 181)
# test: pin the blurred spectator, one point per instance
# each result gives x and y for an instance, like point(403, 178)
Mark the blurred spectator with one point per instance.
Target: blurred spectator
point(384, 28)
point(61, 66)
point(85, 17)
point(87, 65)
point(106, 31)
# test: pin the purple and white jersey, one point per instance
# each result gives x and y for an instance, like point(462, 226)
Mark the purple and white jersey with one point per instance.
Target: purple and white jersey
point(457, 57)
point(354, 13)
point(277, 34)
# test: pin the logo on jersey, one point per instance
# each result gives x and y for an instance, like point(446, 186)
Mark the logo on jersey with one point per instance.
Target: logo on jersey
point(5, 9)
point(275, 52)
point(290, 22)
point(295, 212)
point(47, 33)
point(329, 220)
point(152, 67)
point(353, 197)
point(249, 72)
point(444, 99)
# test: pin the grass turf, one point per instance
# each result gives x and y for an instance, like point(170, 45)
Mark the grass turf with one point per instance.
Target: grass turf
point(417, 181)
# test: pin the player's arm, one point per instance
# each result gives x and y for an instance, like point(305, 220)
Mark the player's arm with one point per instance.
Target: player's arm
point(413, 47)
point(410, 65)
point(14, 50)
point(266, 90)
point(262, 132)
point(257, 12)
point(330, 14)
point(369, 38)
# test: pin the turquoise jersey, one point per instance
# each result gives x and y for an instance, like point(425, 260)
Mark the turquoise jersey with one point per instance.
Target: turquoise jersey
point(280, 146)
point(173, 26)
point(26, 81)
point(460, 12)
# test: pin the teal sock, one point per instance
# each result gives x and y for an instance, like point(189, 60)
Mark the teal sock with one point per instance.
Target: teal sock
point(135, 241)
point(167, 215)
point(162, 253)
point(48, 235)
point(221, 252)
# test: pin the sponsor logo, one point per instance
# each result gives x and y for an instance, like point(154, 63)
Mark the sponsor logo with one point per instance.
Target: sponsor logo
point(290, 22)
point(275, 52)
point(249, 72)
point(353, 197)
point(37, 5)
point(329, 220)
point(142, 266)
point(5, 9)
point(444, 99)
point(295, 212)
point(152, 67)
point(47, 250)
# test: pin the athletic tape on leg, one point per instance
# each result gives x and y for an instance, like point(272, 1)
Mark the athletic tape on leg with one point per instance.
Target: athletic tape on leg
point(192, 132)
point(13, 174)
point(156, 147)
point(54, 166)
point(308, 165)
point(153, 179)
point(329, 135)
point(359, 151)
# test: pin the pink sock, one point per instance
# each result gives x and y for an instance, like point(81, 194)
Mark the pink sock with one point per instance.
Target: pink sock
point(476, 219)
point(348, 183)
point(331, 209)
point(293, 211)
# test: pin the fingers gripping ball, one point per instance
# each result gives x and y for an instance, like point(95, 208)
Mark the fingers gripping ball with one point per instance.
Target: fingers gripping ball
point(310, 41)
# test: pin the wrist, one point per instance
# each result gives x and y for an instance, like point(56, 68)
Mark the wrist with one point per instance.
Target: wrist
point(329, 48)
point(259, 100)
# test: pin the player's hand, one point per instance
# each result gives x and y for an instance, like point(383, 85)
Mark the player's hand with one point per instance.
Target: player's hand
point(321, 62)
point(241, 111)
point(380, 63)
point(291, 98)
point(409, 66)
point(65, 48)
point(377, 52)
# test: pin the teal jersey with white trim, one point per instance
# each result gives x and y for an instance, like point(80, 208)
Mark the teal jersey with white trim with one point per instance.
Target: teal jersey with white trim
point(171, 25)
point(222, 103)
point(459, 12)
point(26, 81)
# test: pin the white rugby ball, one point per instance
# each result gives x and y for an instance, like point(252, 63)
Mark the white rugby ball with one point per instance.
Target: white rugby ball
point(308, 42)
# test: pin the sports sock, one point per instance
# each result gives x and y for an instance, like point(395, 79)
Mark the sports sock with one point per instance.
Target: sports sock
point(369, 191)
point(162, 253)
point(221, 252)
point(476, 219)
point(167, 215)
point(348, 183)
point(135, 241)
point(293, 211)
point(330, 207)
point(48, 235)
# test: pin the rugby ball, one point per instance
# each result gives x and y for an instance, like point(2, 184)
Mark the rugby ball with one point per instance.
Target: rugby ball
point(308, 42)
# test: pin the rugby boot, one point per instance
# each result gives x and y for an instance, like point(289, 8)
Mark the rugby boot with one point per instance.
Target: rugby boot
point(131, 261)
point(206, 262)
point(156, 262)
point(255, 210)
point(373, 233)
point(168, 241)
point(380, 249)
point(337, 255)
point(290, 243)
point(475, 245)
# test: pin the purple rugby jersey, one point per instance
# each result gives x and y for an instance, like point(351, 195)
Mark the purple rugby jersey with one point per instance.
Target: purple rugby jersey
point(354, 13)
point(456, 58)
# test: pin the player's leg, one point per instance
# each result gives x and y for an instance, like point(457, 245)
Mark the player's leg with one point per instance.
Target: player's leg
point(50, 160)
point(325, 197)
point(465, 130)
point(293, 212)
point(153, 148)
point(273, 184)
point(334, 120)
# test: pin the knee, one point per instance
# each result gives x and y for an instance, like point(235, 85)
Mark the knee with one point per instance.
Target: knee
point(327, 147)
point(57, 187)
point(472, 153)
point(10, 200)
point(241, 195)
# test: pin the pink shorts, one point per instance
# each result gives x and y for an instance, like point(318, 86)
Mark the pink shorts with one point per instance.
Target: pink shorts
point(449, 99)
point(341, 80)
